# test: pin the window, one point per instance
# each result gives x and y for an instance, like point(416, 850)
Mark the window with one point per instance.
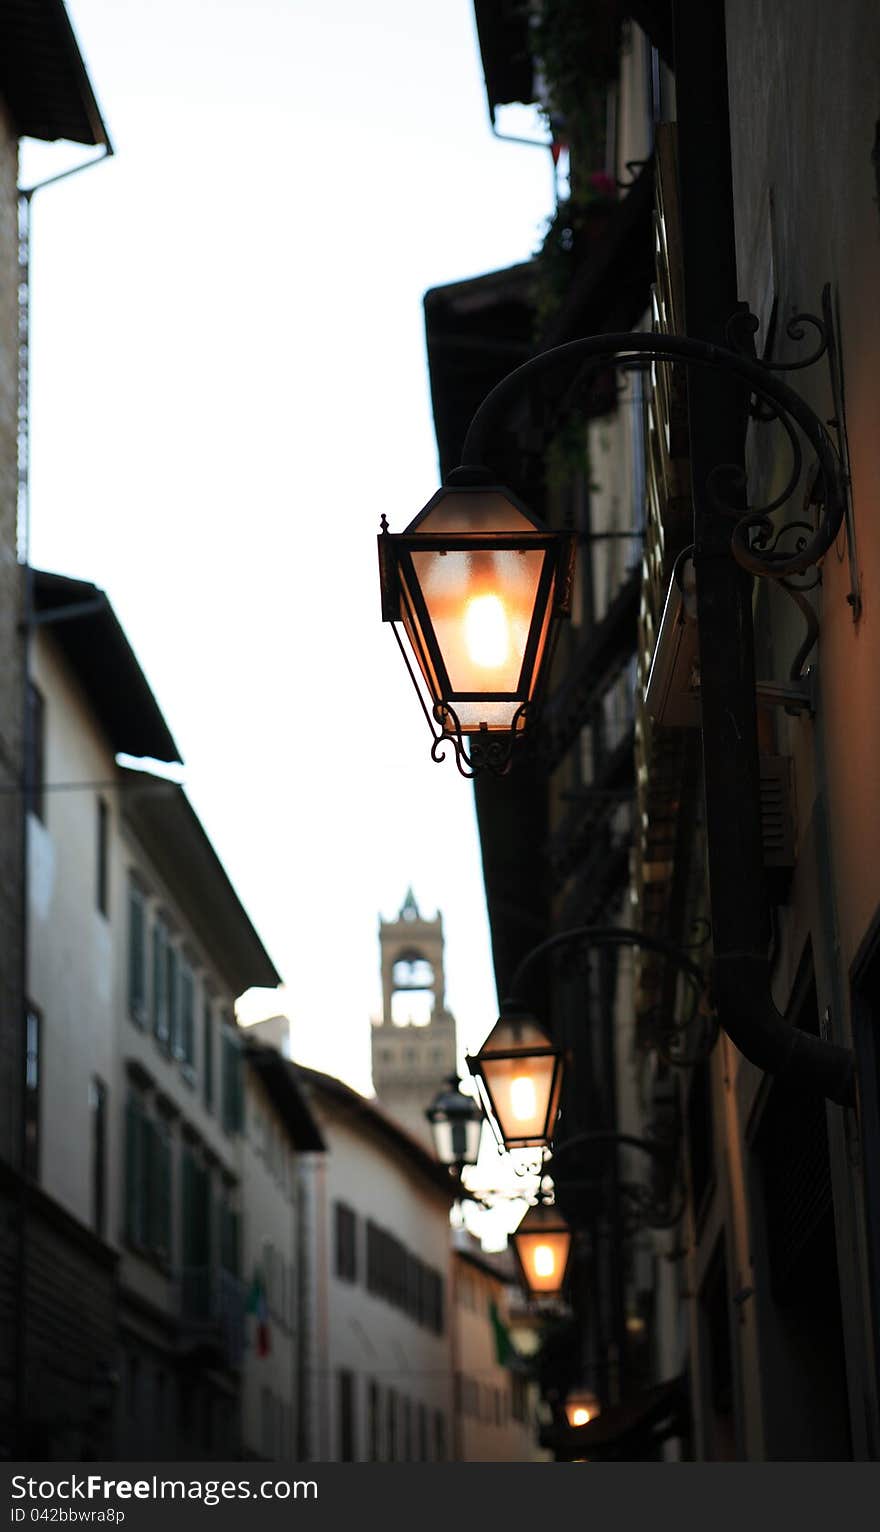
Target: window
point(231, 1104)
point(267, 1434)
point(35, 753)
point(373, 1408)
point(98, 1110)
point(518, 1397)
point(407, 1431)
point(137, 954)
point(346, 1415)
point(346, 1242)
point(195, 1241)
point(391, 1425)
point(208, 1054)
point(102, 870)
point(229, 1234)
point(439, 1436)
point(160, 982)
point(147, 1179)
point(132, 1389)
point(32, 1068)
point(423, 1434)
point(172, 987)
point(404, 1281)
point(186, 1040)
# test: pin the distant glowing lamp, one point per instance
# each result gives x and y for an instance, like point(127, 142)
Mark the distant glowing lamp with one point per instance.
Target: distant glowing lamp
point(581, 1407)
point(456, 1125)
point(542, 1245)
point(519, 1076)
point(478, 584)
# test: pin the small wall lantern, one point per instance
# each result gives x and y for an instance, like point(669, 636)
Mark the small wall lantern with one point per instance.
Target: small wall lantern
point(478, 584)
point(519, 1075)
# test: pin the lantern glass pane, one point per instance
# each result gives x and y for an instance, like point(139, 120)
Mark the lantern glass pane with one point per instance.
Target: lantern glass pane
point(480, 603)
point(521, 1090)
point(444, 1140)
point(412, 628)
point(546, 619)
point(544, 1256)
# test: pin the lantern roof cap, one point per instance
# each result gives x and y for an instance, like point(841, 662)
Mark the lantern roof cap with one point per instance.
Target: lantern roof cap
point(516, 1032)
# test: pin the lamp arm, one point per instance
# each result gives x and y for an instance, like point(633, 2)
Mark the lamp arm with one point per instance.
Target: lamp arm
point(655, 1147)
point(740, 989)
point(604, 936)
point(758, 378)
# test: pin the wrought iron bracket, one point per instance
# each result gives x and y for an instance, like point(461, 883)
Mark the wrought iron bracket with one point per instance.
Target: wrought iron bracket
point(753, 535)
point(671, 1038)
point(658, 1204)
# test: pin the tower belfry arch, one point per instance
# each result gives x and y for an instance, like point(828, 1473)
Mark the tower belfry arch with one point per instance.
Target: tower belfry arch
point(413, 1045)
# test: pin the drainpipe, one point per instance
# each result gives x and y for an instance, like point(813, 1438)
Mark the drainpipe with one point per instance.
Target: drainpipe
point(25, 198)
point(741, 972)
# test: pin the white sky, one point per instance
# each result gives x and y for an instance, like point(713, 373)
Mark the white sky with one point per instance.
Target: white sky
point(229, 387)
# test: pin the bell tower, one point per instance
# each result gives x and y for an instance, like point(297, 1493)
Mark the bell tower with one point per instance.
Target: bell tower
point(413, 1046)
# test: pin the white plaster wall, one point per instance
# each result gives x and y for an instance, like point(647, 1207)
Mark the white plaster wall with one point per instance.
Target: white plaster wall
point(353, 1329)
point(70, 943)
point(78, 978)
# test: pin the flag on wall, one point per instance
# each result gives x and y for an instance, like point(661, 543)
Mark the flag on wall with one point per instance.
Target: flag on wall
point(505, 1350)
point(258, 1305)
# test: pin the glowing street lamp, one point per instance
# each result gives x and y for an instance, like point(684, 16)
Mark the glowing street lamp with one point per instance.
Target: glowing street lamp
point(581, 1406)
point(478, 585)
point(542, 1245)
point(519, 1076)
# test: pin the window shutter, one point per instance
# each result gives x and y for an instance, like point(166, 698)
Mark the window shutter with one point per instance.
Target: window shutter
point(137, 975)
point(172, 976)
point(186, 1207)
point(132, 1145)
point(233, 1097)
point(187, 1014)
point(160, 982)
point(162, 1149)
point(208, 1055)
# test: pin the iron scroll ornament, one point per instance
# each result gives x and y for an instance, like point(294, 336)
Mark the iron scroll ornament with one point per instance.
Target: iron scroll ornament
point(828, 484)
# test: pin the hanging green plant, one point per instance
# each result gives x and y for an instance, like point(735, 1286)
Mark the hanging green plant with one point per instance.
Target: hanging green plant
point(577, 46)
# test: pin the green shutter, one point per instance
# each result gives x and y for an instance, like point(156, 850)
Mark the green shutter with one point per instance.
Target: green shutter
point(132, 1144)
point(233, 1090)
point(137, 976)
point(160, 982)
point(172, 973)
point(187, 1014)
point(149, 1190)
point(208, 1059)
point(162, 1189)
point(234, 1262)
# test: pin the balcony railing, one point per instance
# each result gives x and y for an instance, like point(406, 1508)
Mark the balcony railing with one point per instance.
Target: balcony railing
point(211, 1312)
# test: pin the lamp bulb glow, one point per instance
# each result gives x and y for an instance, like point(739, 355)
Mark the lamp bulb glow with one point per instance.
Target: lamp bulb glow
point(523, 1101)
point(487, 631)
point(580, 1415)
point(544, 1261)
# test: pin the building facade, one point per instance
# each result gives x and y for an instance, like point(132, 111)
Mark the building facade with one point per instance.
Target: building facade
point(134, 1103)
point(278, 1127)
point(376, 1352)
point(495, 1391)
